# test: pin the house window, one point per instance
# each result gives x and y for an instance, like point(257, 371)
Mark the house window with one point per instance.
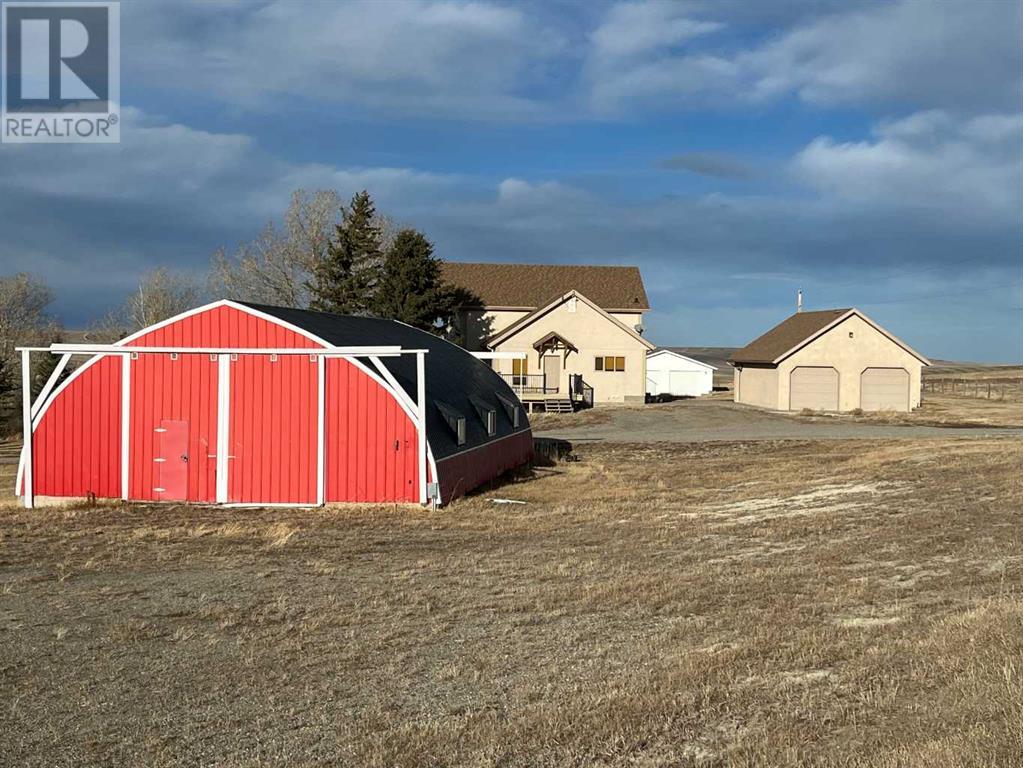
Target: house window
point(610, 364)
point(520, 370)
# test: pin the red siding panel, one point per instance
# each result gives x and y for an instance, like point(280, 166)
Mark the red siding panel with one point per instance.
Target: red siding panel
point(77, 445)
point(185, 390)
point(189, 392)
point(273, 430)
point(465, 471)
point(371, 441)
point(370, 452)
point(223, 327)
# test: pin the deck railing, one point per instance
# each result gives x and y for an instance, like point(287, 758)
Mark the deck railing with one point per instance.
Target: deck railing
point(536, 384)
point(581, 390)
point(530, 383)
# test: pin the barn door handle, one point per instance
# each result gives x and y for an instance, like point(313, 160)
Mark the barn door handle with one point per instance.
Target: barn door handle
point(395, 445)
point(184, 457)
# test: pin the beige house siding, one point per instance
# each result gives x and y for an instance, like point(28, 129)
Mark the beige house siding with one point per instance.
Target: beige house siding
point(594, 335)
point(867, 348)
point(478, 325)
point(756, 386)
point(481, 324)
point(631, 319)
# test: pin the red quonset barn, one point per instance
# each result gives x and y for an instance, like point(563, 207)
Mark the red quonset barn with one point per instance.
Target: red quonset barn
point(238, 403)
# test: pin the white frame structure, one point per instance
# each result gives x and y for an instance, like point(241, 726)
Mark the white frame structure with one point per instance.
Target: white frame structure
point(33, 412)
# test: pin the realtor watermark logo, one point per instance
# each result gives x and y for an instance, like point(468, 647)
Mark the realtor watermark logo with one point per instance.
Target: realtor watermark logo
point(61, 73)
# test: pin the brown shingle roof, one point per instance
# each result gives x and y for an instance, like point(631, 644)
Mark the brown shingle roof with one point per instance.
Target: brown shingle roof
point(786, 335)
point(535, 285)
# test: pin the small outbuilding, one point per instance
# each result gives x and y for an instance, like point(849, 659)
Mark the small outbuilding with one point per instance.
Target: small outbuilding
point(830, 360)
point(236, 403)
point(669, 372)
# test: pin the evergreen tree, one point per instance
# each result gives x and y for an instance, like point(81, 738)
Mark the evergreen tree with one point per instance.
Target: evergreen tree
point(43, 365)
point(411, 289)
point(346, 280)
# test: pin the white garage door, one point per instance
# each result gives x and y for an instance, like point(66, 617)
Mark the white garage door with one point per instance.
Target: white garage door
point(884, 389)
point(813, 387)
point(686, 383)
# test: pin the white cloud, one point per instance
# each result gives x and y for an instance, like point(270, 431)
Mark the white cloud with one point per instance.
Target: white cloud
point(217, 176)
point(633, 28)
point(931, 54)
point(938, 54)
point(637, 53)
point(89, 219)
point(416, 56)
point(508, 61)
point(155, 159)
point(928, 160)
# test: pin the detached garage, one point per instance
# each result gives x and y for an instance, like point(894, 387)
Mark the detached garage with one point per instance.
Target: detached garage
point(670, 373)
point(831, 360)
point(235, 403)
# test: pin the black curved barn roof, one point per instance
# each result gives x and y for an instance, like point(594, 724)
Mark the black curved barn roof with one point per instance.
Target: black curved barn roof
point(453, 376)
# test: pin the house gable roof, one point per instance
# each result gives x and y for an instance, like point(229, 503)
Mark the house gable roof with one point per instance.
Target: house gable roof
point(532, 317)
point(528, 286)
point(554, 338)
point(800, 329)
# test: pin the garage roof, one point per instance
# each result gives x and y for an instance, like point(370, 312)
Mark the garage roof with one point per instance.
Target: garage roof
point(798, 330)
point(676, 354)
point(454, 377)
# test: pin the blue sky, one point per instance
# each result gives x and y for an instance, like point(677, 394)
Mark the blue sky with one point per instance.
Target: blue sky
point(871, 153)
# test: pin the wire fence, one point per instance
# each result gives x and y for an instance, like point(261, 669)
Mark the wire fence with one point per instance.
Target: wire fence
point(986, 388)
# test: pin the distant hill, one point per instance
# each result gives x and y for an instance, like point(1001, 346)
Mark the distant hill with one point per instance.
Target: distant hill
point(950, 367)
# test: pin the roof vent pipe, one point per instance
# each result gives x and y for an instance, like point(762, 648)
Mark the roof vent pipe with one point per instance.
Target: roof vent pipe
point(799, 300)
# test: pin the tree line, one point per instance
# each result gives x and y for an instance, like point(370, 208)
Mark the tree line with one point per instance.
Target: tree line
point(328, 256)
point(360, 265)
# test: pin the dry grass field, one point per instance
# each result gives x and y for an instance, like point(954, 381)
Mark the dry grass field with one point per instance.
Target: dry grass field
point(940, 411)
point(839, 603)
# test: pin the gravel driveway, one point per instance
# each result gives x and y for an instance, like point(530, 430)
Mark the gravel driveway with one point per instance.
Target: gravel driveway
point(694, 421)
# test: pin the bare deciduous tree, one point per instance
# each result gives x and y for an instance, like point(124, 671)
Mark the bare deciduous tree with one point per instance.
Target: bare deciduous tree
point(161, 294)
point(275, 267)
point(24, 321)
point(23, 316)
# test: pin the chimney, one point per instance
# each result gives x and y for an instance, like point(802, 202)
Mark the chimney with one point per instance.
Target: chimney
point(799, 300)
